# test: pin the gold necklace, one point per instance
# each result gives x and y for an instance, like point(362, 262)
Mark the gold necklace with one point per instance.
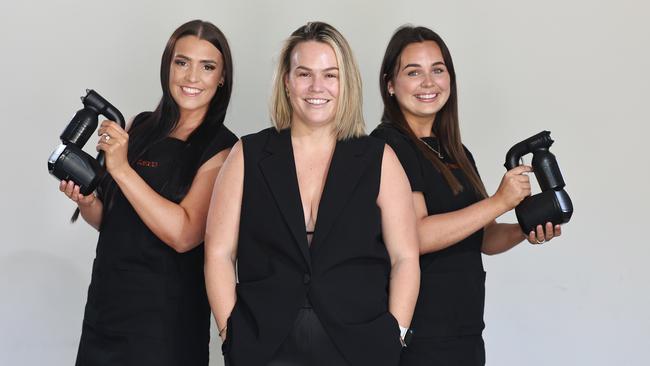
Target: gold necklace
point(434, 150)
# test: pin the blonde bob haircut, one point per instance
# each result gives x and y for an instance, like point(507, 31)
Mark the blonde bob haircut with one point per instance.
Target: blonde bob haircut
point(349, 116)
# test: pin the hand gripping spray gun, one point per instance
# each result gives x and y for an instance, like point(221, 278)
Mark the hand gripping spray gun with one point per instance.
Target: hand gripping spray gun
point(553, 203)
point(69, 161)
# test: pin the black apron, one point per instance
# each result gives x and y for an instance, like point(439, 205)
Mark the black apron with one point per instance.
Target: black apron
point(147, 304)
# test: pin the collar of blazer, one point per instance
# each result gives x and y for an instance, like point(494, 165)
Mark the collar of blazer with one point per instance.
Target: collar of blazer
point(279, 170)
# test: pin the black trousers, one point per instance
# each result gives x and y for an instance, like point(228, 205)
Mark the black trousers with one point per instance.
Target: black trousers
point(445, 351)
point(308, 344)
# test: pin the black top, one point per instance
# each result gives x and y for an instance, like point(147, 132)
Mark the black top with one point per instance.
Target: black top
point(141, 288)
point(452, 289)
point(345, 271)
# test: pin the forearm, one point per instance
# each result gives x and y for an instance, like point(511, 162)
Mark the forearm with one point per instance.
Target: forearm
point(437, 232)
point(403, 289)
point(220, 283)
point(92, 213)
point(499, 238)
point(167, 220)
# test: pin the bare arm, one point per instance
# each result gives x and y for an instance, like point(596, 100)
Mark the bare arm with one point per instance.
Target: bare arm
point(499, 238)
point(400, 236)
point(181, 226)
point(221, 238)
point(440, 231)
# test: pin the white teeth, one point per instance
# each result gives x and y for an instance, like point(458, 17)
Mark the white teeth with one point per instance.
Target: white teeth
point(316, 101)
point(426, 96)
point(190, 90)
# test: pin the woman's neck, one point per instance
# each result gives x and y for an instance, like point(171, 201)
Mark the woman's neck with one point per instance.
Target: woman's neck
point(421, 127)
point(187, 123)
point(313, 136)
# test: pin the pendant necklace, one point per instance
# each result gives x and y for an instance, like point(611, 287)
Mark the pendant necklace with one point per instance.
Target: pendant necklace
point(434, 150)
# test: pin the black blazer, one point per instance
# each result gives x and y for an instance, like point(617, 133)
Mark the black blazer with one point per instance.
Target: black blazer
point(345, 272)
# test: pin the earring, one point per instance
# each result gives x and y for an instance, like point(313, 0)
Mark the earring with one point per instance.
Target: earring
point(221, 84)
point(391, 94)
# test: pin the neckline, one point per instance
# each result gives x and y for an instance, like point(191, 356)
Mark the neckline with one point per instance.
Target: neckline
point(175, 139)
point(432, 138)
point(323, 191)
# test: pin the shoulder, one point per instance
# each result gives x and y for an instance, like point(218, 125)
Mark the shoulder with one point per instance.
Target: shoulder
point(225, 132)
point(259, 138)
point(402, 149)
point(396, 139)
point(216, 141)
point(368, 146)
point(389, 133)
point(223, 136)
point(137, 119)
point(260, 135)
point(469, 154)
point(255, 145)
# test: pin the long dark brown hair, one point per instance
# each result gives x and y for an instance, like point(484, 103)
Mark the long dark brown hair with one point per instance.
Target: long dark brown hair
point(445, 126)
point(150, 128)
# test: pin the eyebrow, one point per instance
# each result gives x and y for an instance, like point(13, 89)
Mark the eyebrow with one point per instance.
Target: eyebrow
point(202, 61)
point(308, 69)
point(418, 65)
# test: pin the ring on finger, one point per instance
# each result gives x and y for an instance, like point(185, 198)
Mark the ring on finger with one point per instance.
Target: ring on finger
point(106, 136)
point(540, 242)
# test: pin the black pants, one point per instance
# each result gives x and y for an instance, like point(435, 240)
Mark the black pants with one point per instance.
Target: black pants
point(308, 344)
point(445, 351)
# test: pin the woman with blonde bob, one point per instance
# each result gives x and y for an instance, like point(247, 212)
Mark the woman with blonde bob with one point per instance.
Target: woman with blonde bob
point(309, 209)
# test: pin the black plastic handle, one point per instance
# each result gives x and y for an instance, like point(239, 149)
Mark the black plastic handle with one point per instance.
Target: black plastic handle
point(102, 106)
point(96, 102)
point(539, 141)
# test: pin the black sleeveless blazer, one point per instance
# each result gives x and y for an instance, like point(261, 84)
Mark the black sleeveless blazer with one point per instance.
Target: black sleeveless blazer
point(344, 273)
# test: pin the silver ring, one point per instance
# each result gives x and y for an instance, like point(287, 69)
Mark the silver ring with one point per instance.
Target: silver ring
point(106, 137)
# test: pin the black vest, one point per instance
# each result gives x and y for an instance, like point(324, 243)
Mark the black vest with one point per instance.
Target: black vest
point(344, 273)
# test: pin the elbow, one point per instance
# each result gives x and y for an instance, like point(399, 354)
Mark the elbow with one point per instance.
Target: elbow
point(410, 260)
point(183, 245)
point(488, 250)
point(187, 238)
point(181, 248)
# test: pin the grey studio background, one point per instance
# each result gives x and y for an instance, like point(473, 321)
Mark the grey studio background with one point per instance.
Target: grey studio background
point(576, 68)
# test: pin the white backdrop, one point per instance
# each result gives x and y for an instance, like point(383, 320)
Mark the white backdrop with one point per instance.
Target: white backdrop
point(576, 68)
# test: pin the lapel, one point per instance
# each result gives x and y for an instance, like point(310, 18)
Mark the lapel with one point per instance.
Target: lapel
point(346, 168)
point(279, 171)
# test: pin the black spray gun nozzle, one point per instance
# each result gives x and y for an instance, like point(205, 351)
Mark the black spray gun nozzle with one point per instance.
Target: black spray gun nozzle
point(542, 140)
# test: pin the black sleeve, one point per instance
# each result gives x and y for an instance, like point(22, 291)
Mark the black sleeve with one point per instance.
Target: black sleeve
point(471, 160)
point(224, 139)
point(407, 155)
point(138, 119)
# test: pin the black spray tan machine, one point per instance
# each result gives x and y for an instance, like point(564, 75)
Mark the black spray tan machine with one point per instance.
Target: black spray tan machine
point(553, 203)
point(69, 161)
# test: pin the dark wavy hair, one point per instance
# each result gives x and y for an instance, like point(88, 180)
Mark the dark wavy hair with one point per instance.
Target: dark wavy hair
point(150, 128)
point(445, 126)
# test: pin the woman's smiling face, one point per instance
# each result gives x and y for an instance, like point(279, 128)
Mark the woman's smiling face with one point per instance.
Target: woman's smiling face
point(195, 73)
point(313, 83)
point(422, 82)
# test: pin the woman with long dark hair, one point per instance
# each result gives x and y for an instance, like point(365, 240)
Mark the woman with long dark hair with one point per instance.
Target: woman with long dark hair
point(317, 219)
point(455, 215)
point(147, 303)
